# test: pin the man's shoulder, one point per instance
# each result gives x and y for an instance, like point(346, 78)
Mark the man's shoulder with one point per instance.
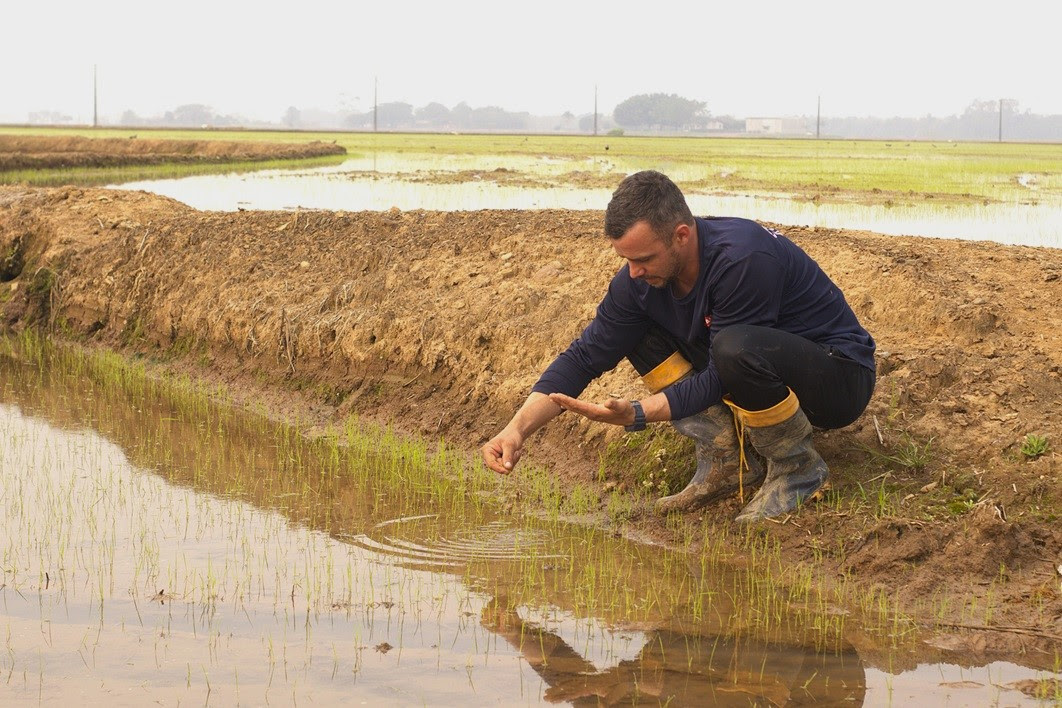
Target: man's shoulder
point(734, 237)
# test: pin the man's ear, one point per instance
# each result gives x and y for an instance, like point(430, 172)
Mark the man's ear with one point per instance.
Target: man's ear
point(682, 234)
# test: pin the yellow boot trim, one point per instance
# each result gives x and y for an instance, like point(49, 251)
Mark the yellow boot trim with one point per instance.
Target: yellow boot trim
point(757, 419)
point(667, 372)
point(769, 416)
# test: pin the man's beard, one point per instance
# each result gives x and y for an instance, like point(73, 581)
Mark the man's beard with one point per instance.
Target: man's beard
point(674, 268)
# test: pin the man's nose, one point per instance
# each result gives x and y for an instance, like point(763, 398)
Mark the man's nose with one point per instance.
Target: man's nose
point(636, 270)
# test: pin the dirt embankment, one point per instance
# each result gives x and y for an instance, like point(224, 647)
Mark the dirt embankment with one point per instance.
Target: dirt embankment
point(39, 152)
point(441, 322)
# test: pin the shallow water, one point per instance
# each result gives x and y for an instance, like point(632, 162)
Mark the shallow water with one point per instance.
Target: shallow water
point(160, 549)
point(405, 182)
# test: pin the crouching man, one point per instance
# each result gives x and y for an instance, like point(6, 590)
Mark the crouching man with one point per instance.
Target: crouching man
point(734, 330)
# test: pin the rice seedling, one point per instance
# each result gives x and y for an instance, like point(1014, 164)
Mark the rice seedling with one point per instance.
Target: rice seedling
point(284, 555)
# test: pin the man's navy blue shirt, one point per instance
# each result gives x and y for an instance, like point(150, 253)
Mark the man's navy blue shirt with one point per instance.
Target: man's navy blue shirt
point(748, 275)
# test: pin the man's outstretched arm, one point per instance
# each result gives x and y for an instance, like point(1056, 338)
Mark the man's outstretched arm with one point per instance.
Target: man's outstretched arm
point(617, 411)
point(503, 451)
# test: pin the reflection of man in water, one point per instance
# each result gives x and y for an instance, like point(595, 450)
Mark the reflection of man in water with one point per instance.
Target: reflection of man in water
point(680, 669)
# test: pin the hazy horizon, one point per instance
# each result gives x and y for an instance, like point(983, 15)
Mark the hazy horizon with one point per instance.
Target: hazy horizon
point(911, 60)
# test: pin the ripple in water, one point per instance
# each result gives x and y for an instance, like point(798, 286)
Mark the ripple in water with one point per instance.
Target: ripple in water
point(420, 541)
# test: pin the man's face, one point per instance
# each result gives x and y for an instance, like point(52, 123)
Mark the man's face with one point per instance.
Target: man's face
point(649, 259)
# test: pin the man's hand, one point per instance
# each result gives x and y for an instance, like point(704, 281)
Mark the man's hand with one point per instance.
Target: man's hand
point(617, 411)
point(503, 452)
point(506, 448)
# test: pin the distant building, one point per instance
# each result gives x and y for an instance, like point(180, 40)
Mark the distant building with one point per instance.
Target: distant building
point(776, 126)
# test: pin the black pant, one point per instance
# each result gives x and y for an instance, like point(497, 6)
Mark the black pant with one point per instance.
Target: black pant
point(758, 366)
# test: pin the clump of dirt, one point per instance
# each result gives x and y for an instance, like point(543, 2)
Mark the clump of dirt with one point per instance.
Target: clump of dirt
point(439, 323)
point(21, 152)
point(502, 176)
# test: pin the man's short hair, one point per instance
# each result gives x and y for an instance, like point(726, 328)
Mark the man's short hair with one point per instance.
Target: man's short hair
point(648, 196)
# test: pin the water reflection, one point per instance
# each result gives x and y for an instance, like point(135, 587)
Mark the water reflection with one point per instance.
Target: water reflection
point(221, 557)
point(674, 668)
point(413, 182)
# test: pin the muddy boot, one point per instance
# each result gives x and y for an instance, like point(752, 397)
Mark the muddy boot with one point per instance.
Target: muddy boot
point(795, 471)
point(718, 473)
point(660, 363)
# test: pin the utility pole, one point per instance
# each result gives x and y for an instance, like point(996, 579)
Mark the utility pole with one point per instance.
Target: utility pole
point(375, 94)
point(595, 109)
point(95, 102)
point(818, 117)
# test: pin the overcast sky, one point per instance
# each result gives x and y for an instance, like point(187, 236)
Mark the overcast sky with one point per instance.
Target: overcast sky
point(765, 58)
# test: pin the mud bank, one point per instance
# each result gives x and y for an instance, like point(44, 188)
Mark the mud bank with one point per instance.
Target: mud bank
point(39, 152)
point(439, 323)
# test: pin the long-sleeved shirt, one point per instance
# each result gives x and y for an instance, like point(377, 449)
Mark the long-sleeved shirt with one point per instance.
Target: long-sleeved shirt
point(748, 274)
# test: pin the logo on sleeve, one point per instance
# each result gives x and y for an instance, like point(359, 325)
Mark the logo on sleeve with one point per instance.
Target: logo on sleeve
point(708, 321)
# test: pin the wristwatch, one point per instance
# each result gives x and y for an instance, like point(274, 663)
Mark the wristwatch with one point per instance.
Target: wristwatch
point(639, 419)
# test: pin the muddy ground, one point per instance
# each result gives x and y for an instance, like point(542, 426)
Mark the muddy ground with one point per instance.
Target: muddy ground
point(23, 152)
point(732, 186)
point(439, 323)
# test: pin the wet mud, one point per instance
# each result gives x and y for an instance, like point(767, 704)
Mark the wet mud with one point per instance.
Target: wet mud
point(439, 323)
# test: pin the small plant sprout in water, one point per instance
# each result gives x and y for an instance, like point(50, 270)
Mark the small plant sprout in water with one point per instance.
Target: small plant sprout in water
point(1033, 446)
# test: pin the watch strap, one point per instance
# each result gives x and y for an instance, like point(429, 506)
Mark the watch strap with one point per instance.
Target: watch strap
point(639, 418)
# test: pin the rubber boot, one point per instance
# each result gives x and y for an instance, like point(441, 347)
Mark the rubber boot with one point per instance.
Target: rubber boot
point(661, 363)
point(795, 471)
point(718, 474)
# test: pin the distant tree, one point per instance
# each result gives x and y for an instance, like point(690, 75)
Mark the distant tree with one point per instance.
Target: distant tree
point(129, 117)
point(495, 118)
point(394, 115)
point(980, 120)
point(730, 123)
point(191, 114)
point(568, 122)
point(48, 117)
point(434, 114)
point(977, 106)
point(586, 122)
point(291, 117)
point(659, 110)
point(461, 115)
point(357, 121)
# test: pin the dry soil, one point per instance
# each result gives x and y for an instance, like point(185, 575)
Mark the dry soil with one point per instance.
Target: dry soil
point(439, 323)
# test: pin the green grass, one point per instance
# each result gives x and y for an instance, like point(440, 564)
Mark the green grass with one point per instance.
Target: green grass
point(1033, 446)
point(658, 460)
point(879, 172)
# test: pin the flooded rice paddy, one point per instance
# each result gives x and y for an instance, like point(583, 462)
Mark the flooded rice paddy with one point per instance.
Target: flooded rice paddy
point(157, 546)
point(457, 182)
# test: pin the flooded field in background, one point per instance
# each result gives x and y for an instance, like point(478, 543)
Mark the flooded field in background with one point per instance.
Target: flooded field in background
point(456, 182)
point(156, 546)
